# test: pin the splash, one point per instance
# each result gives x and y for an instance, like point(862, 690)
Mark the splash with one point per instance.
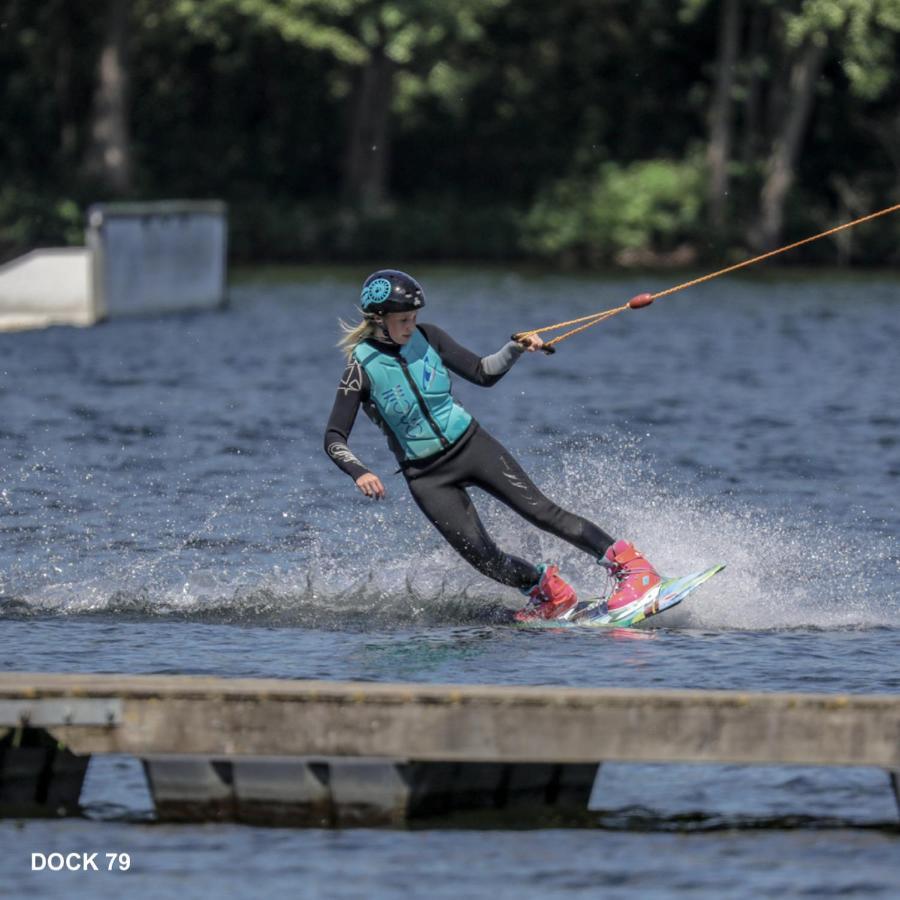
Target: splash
point(368, 567)
point(781, 572)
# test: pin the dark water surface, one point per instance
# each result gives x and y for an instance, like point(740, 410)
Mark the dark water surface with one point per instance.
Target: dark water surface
point(165, 506)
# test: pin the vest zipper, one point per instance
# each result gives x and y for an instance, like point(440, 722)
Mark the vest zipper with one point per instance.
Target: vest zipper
point(423, 406)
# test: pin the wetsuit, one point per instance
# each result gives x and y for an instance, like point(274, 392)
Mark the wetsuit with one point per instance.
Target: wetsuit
point(438, 481)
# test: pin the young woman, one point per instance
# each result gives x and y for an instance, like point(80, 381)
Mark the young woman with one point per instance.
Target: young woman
point(397, 371)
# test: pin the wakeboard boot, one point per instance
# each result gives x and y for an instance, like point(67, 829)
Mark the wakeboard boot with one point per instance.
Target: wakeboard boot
point(633, 574)
point(550, 598)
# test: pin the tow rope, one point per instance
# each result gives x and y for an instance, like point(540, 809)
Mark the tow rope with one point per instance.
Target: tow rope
point(641, 300)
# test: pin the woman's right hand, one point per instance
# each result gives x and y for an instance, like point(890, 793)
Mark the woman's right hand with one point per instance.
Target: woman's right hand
point(371, 486)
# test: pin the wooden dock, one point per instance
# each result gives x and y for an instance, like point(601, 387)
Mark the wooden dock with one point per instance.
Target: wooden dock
point(313, 752)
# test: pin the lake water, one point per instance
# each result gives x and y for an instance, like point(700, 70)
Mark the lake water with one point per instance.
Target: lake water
point(166, 507)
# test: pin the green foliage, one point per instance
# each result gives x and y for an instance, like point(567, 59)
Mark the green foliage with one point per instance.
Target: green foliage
point(653, 205)
point(347, 29)
point(865, 32)
point(434, 228)
point(29, 219)
point(569, 129)
point(316, 24)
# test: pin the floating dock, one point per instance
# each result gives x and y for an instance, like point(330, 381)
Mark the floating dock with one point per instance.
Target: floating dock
point(332, 753)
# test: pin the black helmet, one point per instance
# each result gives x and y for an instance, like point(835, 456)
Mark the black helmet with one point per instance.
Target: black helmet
point(388, 290)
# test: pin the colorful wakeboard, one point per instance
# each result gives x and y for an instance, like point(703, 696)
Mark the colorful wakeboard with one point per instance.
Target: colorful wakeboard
point(595, 614)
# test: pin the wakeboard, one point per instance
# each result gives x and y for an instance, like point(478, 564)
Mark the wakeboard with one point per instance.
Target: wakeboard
point(594, 612)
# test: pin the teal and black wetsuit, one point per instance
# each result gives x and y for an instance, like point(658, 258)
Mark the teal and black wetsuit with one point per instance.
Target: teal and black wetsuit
point(442, 450)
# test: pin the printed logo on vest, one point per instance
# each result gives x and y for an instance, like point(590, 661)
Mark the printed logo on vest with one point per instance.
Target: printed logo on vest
point(410, 418)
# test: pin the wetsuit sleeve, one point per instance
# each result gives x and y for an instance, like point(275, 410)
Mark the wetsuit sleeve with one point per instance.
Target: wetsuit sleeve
point(354, 384)
point(483, 370)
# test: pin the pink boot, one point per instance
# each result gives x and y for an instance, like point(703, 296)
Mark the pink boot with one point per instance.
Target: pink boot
point(633, 574)
point(550, 598)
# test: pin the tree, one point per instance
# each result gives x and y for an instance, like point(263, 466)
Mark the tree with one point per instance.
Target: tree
point(375, 40)
point(107, 159)
point(718, 154)
point(862, 34)
point(805, 51)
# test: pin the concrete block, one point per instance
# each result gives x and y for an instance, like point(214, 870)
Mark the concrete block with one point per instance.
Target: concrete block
point(21, 771)
point(151, 258)
point(39, 778)
point(368, 792)
point(432, 786)
point(440, 788)
point(479, 785)
point(283, 791)
point(67, 772)
point(530, 785)
point(574, 786)
point(190, 788)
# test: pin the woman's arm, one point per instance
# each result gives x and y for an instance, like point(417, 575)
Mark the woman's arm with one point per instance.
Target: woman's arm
point(340, 422)
point(483, 370)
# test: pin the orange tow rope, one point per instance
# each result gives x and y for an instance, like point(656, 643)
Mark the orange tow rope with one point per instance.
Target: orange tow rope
point(642, 300)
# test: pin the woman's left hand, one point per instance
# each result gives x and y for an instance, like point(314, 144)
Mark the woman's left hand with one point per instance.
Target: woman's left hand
point(531, 343)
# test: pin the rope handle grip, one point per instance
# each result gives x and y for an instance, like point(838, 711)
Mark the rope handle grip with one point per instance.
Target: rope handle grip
point(545, 349)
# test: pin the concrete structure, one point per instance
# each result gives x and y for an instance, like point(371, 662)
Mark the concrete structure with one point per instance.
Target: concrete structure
point(325, 792)
point(140, 258)
point(47, 287)
point(157, 257)
point(335, 753)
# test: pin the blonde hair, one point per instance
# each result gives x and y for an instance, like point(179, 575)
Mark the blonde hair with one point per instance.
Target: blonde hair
point(356, 334)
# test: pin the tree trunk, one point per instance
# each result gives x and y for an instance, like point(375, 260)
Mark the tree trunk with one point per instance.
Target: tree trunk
point(788, 140)
point(64, 77)
point(108, 154)
point(367, 156)
point(718, 155)
point(756, 48)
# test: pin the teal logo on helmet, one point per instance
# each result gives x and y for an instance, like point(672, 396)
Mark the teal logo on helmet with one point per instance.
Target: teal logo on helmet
point(376, 291)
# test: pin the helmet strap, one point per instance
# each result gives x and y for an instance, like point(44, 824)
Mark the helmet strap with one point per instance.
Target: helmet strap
point(378, 319)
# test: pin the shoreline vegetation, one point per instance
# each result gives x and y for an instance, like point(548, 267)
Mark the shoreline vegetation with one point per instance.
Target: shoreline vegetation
point(353, 272)
point(585, 134)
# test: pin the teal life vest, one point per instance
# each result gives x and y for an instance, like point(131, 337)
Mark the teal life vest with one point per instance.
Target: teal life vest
point(411, 392)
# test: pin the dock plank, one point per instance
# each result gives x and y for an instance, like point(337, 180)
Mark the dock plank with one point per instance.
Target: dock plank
point(486, 723)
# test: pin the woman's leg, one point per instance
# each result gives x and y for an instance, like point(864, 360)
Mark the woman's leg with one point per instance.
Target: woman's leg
point(495, 470)
point(500, 474)
point(450, 509)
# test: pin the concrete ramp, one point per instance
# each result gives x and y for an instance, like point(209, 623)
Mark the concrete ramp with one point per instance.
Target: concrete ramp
point(47, 287)
point(140, 259)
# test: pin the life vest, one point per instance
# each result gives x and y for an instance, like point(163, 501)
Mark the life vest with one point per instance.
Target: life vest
point(411, 392)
